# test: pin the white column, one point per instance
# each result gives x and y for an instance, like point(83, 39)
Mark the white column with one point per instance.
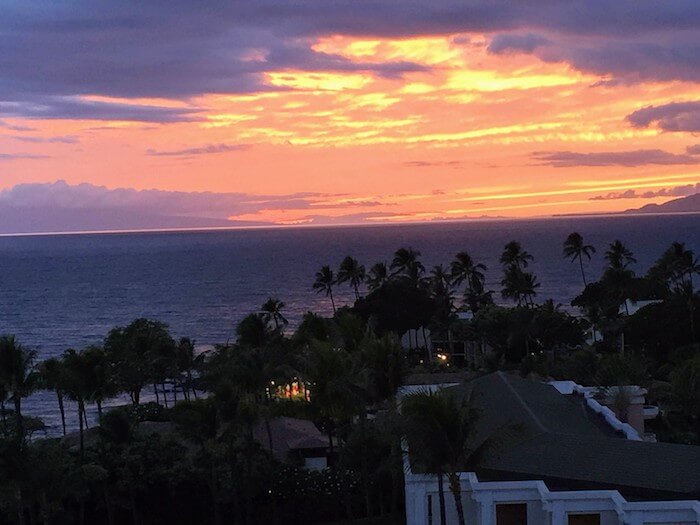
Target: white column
point(487, 515)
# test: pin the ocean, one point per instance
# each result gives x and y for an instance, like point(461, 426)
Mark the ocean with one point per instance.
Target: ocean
point(68, 291)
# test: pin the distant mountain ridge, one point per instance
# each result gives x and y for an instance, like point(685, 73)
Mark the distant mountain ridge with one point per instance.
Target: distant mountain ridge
point(689, 204)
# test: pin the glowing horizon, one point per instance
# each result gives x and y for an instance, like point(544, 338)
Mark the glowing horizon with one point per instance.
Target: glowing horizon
point(377, 128)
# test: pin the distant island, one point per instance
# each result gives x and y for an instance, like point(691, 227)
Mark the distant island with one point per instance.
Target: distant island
point(689, 204)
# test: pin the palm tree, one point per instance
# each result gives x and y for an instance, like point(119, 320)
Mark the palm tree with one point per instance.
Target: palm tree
point(51, 372)
point(187, 362)
point(272, 311)
point(101, 384)
point(514, 255)
point(351, 271)
point(618, 256)
point(675, 270)
point(377, 276)
point(618, 274)
point(78, 386)
point(574, 248)
point(464, 269)
point(324, 283)
point(440, 431)
point(519, 286)
point(406, 263)
point(19, 376)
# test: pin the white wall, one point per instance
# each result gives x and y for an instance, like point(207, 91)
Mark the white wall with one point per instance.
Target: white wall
point(543, 506)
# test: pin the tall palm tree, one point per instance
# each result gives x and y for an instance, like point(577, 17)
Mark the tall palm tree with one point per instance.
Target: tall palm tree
point(325, 280)
point(618, 256)
point(272, 311)
point(574, 248)
point(465, 270)
point(514, 255)
point(51, 372)
point(377, 276)
point(618, 274)
point(19, 375)
point(406, 262)
point(78, 370)
point(351, 271)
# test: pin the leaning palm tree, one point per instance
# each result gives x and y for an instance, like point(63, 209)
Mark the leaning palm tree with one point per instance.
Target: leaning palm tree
point(272, 311)
point(574, 248)
point(351, 271)
point(377, 276)
point(514, 255)
point(325, 280)
point(52, 378)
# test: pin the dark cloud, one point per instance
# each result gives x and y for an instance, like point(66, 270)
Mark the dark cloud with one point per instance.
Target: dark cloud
point(61, 196)
point(693, 150)
point(13, 127)
point(676, 116)
point(677, 191)
point(65, 139)
point(203, 150)
point(642, 157)
point(54, 53)
point(432, 164)
point(526, 43)
point(18, 156)
point(79, 109)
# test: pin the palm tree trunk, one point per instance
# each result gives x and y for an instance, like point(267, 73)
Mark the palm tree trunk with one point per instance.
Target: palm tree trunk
point(44, 508)
point(4, 418)
point(330, 294)
point(81, 430)
point(441, 498)
point(155, 391)
point(85, 417)
point(364, 466)
point(583, 274)
point(62, 409)
point(191, 383)
point(18, 418)
point(20, 506)
point(99, 409)
point(456, 490)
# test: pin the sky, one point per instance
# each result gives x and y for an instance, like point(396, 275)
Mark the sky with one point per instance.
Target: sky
point(327, 111)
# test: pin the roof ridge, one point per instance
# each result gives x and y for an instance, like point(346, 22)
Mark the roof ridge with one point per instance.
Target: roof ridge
point(536, 419)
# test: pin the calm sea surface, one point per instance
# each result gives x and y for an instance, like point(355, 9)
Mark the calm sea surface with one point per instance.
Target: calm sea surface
point(58, 292)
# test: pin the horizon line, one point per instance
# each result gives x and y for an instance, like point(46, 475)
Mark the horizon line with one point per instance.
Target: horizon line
point(274, 226)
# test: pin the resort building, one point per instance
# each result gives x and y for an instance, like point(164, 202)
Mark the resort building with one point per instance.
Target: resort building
point(571, 461)
point(294, 441)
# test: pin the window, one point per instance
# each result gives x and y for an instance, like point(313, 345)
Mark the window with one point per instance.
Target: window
point(584, 519)
point(511, 514)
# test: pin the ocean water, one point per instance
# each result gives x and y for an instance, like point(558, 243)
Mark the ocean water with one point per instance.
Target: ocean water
point(58, 292)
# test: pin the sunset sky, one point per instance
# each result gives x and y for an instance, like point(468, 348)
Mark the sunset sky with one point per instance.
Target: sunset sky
point(317, 112)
